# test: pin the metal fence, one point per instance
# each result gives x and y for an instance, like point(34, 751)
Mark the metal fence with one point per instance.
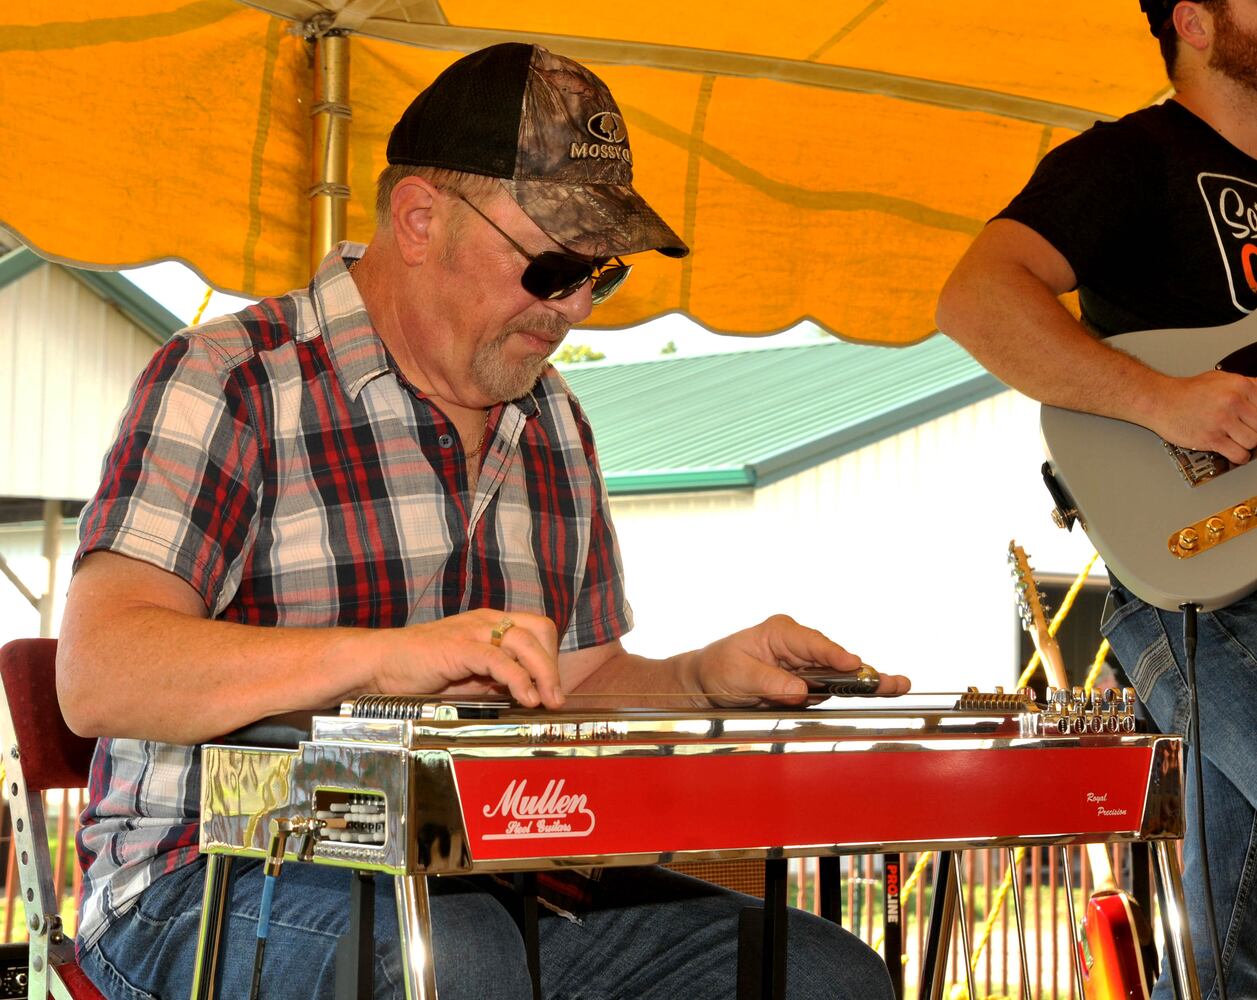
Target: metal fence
point(988, 911)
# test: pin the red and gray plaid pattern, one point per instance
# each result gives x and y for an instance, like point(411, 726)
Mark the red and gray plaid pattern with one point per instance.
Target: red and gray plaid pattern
point(276, 462)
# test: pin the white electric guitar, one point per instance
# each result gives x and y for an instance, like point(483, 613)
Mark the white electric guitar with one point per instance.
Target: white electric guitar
point(1173, 525)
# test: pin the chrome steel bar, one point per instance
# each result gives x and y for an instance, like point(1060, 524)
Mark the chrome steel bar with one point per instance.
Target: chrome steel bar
point(1178, 940)
point(414, 920)
point(1074, 961)
point(1021, 927)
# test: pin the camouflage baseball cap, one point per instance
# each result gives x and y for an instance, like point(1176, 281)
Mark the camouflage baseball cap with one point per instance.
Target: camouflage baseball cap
point(551, 130)
point(1159, 13)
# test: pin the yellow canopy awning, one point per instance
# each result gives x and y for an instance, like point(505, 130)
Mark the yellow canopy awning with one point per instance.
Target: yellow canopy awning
point(824, 161)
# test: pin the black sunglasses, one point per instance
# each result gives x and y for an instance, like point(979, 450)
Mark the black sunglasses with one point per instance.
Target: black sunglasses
point(555, 275)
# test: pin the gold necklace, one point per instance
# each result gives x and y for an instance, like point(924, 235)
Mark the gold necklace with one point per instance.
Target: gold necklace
point(484, 426)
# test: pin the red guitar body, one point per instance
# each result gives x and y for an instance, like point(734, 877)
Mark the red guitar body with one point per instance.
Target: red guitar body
point(1119, 957)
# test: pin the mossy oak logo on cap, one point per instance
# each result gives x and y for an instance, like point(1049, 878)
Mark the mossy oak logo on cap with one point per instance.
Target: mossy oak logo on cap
point(608, 128)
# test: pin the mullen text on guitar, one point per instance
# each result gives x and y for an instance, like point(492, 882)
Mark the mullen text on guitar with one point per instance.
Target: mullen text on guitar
point(1174, 525)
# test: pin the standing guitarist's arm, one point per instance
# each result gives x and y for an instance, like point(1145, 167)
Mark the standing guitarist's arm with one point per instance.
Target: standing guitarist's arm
point(1001, 304)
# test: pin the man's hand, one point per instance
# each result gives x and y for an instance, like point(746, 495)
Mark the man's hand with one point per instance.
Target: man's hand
point(458, 654)
point(1212, 411)
point(139, 659)
point(756, 665)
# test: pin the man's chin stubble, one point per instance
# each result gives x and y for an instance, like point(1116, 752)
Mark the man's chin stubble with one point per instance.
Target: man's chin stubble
point(503, 381)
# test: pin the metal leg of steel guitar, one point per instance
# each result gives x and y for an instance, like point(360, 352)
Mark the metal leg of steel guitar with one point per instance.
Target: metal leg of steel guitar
point(1075, 961)
point(1178, 942)
point(1021, 926)
point(210, 936)
point(414, 920)
point(966, 948)
point(938, 941)
point(949, 907)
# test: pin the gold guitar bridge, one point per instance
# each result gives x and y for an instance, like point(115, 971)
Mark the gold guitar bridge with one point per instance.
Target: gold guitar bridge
point(1213, 530)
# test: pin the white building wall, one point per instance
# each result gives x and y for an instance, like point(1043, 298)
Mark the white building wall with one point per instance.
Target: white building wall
point(897, 550)
point(67, 362)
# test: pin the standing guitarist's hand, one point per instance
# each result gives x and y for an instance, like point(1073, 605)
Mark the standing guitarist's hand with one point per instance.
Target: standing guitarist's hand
point(1212, 411)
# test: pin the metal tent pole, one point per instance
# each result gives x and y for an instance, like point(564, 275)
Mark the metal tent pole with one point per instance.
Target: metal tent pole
point(329, 144)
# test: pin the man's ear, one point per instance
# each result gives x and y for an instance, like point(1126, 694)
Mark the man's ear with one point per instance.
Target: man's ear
point(412, 203)
point(1194, 25)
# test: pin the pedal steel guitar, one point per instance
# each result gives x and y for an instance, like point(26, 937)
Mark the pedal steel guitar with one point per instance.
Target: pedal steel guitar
point(413, 789)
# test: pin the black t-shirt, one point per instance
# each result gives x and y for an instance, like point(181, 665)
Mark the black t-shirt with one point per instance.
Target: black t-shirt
point(1157, 215)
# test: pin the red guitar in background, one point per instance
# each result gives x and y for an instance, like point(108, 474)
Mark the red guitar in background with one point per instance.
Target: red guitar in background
point(1117, 951)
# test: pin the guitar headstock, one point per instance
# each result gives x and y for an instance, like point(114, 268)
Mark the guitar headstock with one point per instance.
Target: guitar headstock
point(1029, 601)
point(1033, 616)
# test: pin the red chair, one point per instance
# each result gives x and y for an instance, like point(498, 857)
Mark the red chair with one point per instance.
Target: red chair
point(40, 753)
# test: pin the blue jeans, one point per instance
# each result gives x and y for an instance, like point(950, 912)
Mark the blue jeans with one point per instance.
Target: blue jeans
point(1149, 643)
point(652, 933)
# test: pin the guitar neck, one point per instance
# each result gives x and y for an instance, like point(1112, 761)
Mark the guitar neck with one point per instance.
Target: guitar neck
point(1054, 667)
point(1102, 877)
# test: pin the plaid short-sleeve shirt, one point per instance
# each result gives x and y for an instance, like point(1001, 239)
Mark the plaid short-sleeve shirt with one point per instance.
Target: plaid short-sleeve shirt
point(276, 461)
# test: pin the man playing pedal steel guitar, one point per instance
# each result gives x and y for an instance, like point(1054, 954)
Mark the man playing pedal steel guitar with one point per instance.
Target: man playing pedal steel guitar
point(1153, 219)
point(379, 484)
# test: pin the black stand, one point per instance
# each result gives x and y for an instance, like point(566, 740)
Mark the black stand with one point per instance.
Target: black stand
point(762, 940)
point(830, 872)
point(892, 927)
point(355, 950)
point(773, 971)
point(526, 919)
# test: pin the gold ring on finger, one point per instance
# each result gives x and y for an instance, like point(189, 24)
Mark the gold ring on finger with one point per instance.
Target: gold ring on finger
point(500, 630)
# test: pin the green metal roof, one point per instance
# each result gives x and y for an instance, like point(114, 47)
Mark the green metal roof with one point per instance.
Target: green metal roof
point(748, 418)
point(144, 311)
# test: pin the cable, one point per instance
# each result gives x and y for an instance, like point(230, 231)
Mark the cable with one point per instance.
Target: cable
point(280, 831)
point(1194, 738)
point(264, 924)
